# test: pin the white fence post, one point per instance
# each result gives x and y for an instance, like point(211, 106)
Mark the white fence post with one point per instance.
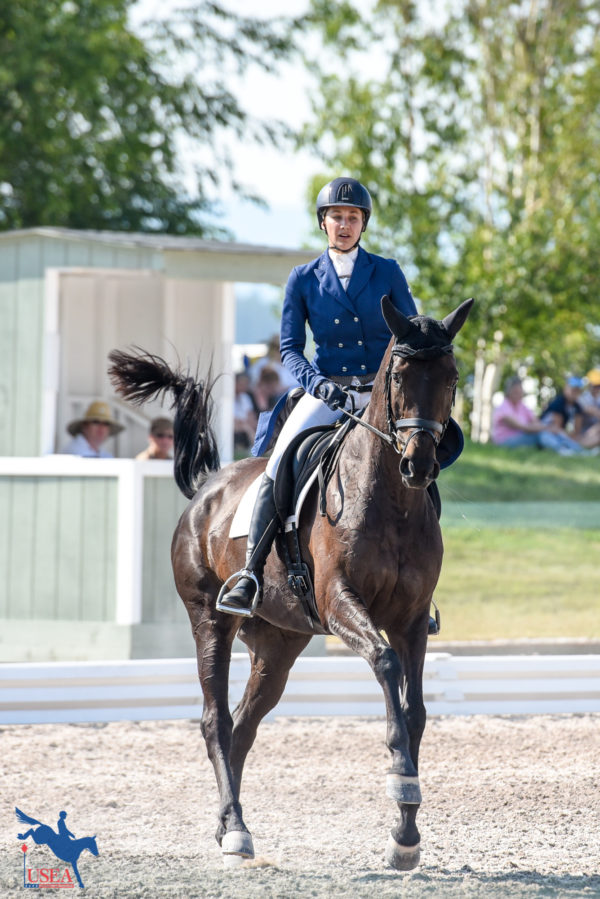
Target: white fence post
point(130, 522)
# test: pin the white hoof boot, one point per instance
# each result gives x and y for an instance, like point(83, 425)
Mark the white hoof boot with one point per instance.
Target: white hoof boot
point(402, 858)
point(236, 847)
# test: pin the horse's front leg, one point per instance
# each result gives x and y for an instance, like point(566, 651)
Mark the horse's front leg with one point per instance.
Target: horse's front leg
point(403, 846)
point(77, 874)
point(348, 618)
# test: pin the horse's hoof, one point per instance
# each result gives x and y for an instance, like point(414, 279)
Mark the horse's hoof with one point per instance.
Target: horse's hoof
point(403, 788)
point(233, 861)
point(402, 858)
point(236, 847)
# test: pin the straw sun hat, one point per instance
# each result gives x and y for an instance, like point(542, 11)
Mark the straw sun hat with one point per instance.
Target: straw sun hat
point(96, 412)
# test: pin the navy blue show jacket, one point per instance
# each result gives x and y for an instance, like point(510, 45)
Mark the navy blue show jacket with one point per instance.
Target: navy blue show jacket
point(348, 327)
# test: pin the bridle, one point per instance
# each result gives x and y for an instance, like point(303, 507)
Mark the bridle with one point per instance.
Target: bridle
point(395, 427)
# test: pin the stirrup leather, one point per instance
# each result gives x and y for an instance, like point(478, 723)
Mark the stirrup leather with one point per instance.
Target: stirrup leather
point(237, 610)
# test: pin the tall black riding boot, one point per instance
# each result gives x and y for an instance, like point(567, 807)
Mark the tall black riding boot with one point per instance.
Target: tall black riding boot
point(434, 495)
point(244, 597)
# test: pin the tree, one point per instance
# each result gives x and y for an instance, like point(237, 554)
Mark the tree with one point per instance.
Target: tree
point(91, 112)
point(479, 137)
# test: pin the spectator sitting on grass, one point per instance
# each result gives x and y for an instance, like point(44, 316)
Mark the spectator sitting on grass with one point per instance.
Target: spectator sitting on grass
point(563, 412)
point(513, 423)
point(590, 401)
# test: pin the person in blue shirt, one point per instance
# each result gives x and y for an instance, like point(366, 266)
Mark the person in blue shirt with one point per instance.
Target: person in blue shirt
point(339, 295)
point(566, 412)
point(90, 432)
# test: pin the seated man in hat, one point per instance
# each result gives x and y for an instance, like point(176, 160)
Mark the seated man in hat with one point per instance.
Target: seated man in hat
point(91, 431)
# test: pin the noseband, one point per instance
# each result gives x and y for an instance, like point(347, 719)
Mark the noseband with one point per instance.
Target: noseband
point(396, 427)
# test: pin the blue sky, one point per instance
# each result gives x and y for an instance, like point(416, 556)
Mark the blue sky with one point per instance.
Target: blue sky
point(280, 178)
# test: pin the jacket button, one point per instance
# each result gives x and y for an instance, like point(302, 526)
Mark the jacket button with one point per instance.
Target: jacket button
point(360, 342)
point(363, 367)
point(341, 345)
point(336, 321)
point(356, 318)
point(344, 368)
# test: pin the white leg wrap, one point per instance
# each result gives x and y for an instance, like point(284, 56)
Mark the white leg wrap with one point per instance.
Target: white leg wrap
point(403, 788)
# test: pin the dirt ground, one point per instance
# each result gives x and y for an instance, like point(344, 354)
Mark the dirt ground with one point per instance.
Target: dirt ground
point(511, 807)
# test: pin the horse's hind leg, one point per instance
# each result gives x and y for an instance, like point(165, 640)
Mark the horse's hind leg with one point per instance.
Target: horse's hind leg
point(272, 654)
point(214, 637)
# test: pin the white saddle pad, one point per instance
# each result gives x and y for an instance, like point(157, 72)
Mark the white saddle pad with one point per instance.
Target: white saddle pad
point(240, 524)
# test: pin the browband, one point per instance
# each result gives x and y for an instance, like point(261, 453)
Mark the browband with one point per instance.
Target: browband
point(404, 349)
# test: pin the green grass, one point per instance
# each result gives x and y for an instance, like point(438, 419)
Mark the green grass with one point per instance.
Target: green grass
point(505, 583)
point(522, 545)
point(488, 473)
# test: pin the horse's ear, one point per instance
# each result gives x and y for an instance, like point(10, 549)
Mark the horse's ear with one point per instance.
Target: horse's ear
point(398, 324)
point(455, 320)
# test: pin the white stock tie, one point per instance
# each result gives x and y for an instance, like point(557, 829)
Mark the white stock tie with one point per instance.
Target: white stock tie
point(344, 266)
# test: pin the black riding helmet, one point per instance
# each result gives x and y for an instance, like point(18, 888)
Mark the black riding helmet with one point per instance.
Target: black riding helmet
point(344, 192)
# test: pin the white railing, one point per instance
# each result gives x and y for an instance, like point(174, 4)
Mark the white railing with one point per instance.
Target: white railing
point(168, 688)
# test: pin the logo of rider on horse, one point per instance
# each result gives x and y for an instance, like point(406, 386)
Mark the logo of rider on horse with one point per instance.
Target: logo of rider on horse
point(63, 843)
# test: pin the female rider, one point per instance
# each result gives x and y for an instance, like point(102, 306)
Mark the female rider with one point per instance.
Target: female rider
point(339, 295)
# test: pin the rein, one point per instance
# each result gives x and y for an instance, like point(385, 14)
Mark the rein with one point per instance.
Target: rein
point(365, 424)
point(393, 438)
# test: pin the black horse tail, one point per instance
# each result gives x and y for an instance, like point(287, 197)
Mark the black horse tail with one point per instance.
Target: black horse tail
point(139, 376)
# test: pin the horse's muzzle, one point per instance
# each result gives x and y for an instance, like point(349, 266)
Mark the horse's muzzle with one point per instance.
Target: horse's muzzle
point(419, 472)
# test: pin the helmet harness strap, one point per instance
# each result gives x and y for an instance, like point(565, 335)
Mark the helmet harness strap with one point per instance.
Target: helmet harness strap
point(339, 249)
point(332, 246)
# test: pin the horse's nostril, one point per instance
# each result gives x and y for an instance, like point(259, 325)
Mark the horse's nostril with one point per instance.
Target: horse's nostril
point(407, 469)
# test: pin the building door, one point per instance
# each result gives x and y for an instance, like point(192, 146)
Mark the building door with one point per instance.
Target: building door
point(100, 311)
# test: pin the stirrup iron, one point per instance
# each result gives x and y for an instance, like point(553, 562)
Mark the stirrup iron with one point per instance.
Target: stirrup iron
point(435, 624)
point(239, 610)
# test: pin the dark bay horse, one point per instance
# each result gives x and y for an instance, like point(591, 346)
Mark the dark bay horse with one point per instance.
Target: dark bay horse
point(375, 558)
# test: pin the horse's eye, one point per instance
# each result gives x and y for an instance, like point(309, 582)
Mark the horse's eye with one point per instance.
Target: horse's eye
point(397, 377)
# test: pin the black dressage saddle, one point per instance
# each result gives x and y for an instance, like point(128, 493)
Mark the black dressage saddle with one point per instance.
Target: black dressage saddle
point(313, 448)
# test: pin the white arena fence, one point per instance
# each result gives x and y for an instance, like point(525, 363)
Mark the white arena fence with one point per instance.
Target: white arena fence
point(137, 690)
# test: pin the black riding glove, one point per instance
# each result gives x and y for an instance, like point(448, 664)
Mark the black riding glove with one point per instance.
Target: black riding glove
point(332, 395)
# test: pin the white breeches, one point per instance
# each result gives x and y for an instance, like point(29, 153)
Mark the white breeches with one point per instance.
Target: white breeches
point(307, 413)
